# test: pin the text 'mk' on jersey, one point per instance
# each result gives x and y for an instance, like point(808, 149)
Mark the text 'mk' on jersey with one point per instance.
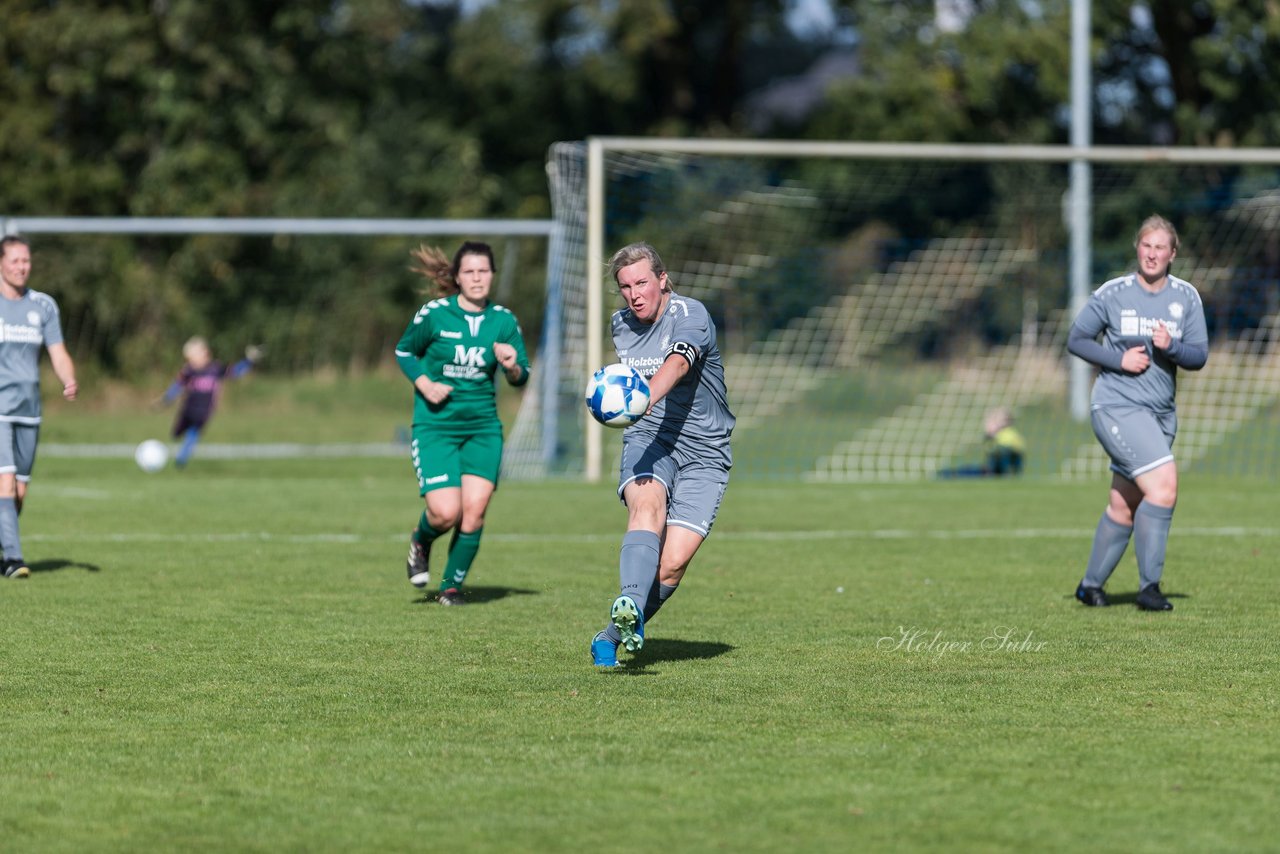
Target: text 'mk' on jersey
point(697, 409)
point(26, 325)
point(454, 346)
point(1125, 313)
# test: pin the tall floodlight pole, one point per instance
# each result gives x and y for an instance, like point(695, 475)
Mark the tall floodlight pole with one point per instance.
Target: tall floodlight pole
point(1081, 199)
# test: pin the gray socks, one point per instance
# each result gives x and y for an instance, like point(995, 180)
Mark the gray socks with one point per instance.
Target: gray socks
point(638, 576)
point(1151, 524)
point(638, 565)
point(655, 602)
point(9, 539)
point(1109, 544)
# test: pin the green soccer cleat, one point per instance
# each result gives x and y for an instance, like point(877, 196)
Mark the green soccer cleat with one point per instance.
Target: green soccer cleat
point(629, 621)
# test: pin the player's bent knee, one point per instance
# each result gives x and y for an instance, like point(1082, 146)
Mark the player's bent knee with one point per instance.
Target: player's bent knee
point(671, 576)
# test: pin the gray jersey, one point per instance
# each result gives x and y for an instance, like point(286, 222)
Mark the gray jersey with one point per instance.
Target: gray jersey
point(1125, 314)
point(26, 325)
point(696, 411)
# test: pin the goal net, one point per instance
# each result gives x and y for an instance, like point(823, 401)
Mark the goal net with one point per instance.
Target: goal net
point(871, 309)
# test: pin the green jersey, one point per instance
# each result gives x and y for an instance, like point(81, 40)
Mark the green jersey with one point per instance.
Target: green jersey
point(454, 346)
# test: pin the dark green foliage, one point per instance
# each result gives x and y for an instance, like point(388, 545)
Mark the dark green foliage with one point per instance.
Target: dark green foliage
point(391, 108)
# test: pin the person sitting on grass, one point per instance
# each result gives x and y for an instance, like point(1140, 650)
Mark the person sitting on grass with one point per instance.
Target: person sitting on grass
point(1004, 446)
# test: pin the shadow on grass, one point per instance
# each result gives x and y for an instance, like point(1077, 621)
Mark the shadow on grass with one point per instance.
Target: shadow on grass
point(57, 563)
point(1132, 598)
point(477, 595)
point(659, 650)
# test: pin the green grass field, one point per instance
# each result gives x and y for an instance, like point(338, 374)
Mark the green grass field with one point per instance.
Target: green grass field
point(230, 659)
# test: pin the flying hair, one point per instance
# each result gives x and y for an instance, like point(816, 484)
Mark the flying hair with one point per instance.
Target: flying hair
point(434, 265)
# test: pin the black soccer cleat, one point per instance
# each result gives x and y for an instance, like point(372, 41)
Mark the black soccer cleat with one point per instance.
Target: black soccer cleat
point(1092, 596)
point(452, 596)
point(15, 568)
point(418, 564)
point(1151, 599)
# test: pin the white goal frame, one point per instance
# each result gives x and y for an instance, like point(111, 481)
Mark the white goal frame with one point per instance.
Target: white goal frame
point(1076, 211)
point(270, 226)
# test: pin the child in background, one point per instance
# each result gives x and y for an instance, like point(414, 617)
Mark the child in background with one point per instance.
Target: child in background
point(200, 383)
point(1004, 447)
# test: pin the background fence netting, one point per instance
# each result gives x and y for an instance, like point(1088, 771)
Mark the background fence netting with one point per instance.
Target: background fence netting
point(871, 310)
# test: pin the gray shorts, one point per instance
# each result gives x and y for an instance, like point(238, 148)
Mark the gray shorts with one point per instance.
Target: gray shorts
point(18, 448)
point(695, 483)
point(1137, 440)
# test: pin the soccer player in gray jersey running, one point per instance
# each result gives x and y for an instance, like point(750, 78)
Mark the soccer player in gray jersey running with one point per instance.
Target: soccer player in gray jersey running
point(1151, 323)
point(676, 459)
point(28, 321)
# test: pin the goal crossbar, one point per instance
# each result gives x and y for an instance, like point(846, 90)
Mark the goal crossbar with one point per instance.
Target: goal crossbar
point(273, 226)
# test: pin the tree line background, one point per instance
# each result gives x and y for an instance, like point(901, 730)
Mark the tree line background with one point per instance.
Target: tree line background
point(390, 108)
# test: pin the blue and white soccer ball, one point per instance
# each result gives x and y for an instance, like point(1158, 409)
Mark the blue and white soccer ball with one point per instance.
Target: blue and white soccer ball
point(617, 396)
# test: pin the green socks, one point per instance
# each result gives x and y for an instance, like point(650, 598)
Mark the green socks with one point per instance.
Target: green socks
point(425, 535)
point(462, 553)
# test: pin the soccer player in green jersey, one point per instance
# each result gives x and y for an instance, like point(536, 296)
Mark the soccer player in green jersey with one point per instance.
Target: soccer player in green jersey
point(451, 351)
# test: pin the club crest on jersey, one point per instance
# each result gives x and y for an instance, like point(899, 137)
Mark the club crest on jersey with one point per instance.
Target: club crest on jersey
point(1175, 310)
point(33, 318)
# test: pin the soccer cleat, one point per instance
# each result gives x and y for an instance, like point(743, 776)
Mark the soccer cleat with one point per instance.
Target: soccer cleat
point(15, 568)
point(1092, 596)
point(629, 621)
point(452, 596)
point(1151, 599)
point(604, 652)
point(418, 564)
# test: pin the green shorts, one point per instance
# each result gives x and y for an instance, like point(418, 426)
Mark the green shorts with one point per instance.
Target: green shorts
point(441, 458)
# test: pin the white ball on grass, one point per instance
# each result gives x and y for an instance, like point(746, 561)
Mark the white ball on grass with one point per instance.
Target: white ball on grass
point(151, 455)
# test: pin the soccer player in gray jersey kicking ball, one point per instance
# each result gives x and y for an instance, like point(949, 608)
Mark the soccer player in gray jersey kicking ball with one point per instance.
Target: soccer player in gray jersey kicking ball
point(1151, 323)
point(28, 321)
point(676, 459)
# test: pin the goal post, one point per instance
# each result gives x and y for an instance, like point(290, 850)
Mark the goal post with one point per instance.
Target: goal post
point(323, 296)
point(874, 299)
